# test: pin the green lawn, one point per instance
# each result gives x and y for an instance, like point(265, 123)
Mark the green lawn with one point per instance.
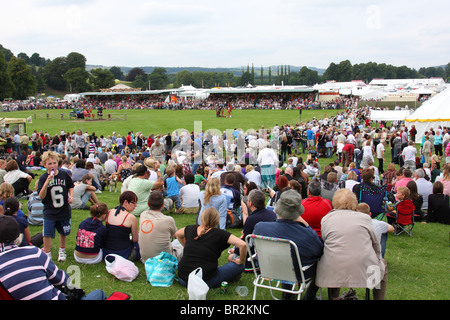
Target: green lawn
point(162, 121)
point(417, 266)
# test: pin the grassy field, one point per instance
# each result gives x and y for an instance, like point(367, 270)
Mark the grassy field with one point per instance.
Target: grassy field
point(417, 266)
point(161, 121)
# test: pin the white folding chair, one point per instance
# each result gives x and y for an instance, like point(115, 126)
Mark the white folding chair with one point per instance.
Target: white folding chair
point(275, 263)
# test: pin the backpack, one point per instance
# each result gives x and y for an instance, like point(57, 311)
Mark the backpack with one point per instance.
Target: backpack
point(35, 209)
point(234, 219)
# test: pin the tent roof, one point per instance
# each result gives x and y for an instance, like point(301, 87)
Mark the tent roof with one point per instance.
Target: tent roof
point(434, 109)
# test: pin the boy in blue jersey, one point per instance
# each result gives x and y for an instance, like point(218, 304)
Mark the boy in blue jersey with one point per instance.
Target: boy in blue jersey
point(55, 188)
point(173, 192)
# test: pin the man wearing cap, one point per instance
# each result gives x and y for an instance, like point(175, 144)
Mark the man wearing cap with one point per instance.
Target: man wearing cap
point(291, 226)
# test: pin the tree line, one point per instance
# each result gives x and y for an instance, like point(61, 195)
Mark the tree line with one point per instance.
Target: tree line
point(22, 76)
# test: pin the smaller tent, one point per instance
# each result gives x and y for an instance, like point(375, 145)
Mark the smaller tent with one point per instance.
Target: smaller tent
point(432, 113)
point(389, 115)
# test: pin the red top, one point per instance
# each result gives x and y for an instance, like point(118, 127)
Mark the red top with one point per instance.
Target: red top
point(315, 209)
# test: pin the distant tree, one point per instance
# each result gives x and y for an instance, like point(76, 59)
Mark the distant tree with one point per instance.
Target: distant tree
point(183, 78)
point(306, 77)
point(7, 53)
point(158, 79)
point(344, 71)
point(270, 75)
point(447, 71)
point(6, 85)
point(101, 79)
point(245, 79)
point(76, 60)
point(37, 60)
point(117, 72)
point(331, 73)
point(25, 57)
point(262, 75)
point(39, 80)
point(141, 81)
point(77, 80)
point(133, 73)
point(22, 78)
point(53, 73)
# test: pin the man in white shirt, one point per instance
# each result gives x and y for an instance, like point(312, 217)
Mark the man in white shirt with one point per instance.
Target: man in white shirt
point(424, 187)
point(409, 156)
point(110, 165)
point(253, 175)
point(380, 156)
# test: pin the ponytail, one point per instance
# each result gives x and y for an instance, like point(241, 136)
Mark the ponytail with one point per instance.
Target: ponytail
point(210, 219)
point(11, 206)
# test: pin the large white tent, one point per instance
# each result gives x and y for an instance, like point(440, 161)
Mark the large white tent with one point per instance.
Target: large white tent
point(432, 113)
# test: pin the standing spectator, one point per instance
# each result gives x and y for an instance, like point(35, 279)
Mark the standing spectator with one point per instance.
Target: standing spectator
point(268, 161)
point(80, 142)
point(409, 156)
point(55, 188)
point(380, 156)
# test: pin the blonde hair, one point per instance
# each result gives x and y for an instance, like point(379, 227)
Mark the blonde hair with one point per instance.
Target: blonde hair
point(446, 174)
point(49, 155)
point(352, 175)
point(6, 190)
point(212, 188)
point(404, 191)
point(210, 219)
point(344, 199)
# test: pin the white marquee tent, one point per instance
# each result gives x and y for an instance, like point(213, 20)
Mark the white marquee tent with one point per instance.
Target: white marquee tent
point(388, 115)
point(431, 114)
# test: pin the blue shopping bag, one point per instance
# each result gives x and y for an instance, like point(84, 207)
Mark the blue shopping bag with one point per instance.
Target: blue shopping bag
point(161, 269)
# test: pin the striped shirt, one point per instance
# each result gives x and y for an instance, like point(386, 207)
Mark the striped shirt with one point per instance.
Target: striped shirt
point(29, 274)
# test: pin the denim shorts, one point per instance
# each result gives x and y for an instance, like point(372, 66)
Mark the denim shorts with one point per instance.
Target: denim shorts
point(49, 226)
point(176, 200)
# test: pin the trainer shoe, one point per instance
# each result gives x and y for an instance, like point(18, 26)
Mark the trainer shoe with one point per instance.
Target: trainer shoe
point(62, 256)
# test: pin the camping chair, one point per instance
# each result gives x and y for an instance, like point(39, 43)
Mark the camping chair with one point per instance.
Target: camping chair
point(404, 221)
point(276, 261)
point(376, 198)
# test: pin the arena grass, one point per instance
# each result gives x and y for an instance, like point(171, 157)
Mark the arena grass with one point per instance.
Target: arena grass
point(417, 266)
point(162, 121)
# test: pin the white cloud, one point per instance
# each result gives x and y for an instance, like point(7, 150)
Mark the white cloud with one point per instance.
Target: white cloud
point(230, 33)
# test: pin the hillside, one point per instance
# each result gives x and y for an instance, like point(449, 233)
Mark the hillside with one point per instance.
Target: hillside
point(237, 71)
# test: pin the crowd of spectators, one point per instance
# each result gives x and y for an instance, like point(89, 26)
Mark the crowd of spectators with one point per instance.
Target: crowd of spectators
point(271, 179)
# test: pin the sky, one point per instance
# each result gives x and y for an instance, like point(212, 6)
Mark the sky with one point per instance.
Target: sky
point(210, 33)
